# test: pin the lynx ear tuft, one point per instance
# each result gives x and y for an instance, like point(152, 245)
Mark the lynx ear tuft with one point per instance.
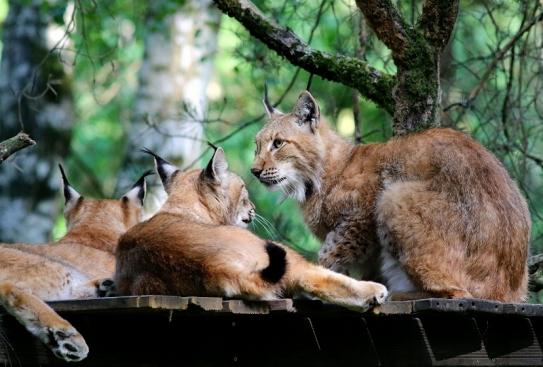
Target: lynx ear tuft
point(217, 167)
point(136, 194)
point(307, 110)
point(71, 196)
point(165, 169)
point(268, 106)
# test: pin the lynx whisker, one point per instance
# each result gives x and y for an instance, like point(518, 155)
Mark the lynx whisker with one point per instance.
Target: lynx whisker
point(265, 226)
point(275, 233)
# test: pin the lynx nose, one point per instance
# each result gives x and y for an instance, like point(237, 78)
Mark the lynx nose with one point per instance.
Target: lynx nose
point(256, 172)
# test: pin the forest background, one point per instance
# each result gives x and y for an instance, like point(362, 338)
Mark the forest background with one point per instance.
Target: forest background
point(93, 82)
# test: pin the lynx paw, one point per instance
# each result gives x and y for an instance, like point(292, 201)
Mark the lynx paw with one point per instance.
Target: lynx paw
point(106, 288)
point(379, 293)
point(371, 294)
point(66, 343)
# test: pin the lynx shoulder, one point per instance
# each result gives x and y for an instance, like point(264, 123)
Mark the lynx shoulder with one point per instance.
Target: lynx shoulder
point(431, 212)
point(67, 269)
point(197, 245)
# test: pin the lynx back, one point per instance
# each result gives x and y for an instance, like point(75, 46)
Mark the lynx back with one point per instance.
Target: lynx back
point(431, 212)
point(196, 245)
point(69, 268)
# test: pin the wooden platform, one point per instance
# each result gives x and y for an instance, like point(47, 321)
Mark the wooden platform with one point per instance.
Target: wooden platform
point(196, 331)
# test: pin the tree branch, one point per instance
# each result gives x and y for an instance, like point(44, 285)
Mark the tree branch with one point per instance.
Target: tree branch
point(498, 56)
point(14, 144)
point(438, 20)
point(372, 84)
point(387, 23)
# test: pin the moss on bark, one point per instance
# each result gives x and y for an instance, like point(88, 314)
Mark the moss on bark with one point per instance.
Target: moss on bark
point(412, 95)
point(417, 92)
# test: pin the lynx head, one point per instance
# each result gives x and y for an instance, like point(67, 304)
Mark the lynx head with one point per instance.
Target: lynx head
point(110, 215)
point(213, 192)
point(289, 149)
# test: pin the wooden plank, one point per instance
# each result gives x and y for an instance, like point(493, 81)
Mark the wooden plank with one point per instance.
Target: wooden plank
point(510, 340)
point(399, 340)
point(477, 306)
point(139, 302)
point(304, 306)
point(169, 331)
point(522, 309)
point(456, 305)
point(454, 340)
point(245, 307)
point(394, 308)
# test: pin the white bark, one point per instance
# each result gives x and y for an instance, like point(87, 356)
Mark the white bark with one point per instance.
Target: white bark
point(175, 72)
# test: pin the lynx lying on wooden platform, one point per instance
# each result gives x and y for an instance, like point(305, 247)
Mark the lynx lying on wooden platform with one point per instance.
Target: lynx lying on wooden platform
point(68, 268)
point(195, 246)
point(439, 210)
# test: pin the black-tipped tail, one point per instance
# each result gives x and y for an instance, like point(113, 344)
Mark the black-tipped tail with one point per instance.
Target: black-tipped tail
point(278, 263)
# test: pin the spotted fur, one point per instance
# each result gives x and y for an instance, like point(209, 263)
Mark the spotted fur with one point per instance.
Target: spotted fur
point(69, 268)
point(195, 245)
point(433, 211)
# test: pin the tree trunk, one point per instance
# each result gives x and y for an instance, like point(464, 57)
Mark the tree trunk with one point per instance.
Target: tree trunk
point(417, 93)
point(416, 51)
point(413, 95)
point(34, 94)
point(171, 101)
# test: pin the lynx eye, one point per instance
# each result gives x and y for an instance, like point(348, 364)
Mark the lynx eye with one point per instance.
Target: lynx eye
point(278, 143)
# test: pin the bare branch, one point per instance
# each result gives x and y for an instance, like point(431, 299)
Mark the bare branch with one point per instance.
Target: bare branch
point(387, 23)
point(438, 20)
point(14, 144)
point(372, 84)
point(499, 55)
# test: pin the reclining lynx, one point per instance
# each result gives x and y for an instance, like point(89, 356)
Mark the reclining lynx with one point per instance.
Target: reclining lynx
point(195, 245)
point(69, 268)
point(439, 210)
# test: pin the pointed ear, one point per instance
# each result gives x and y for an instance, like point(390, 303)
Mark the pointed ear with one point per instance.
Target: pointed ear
point(136, 194)
point(270, 110)
point(307, 110)
point(217, 167)
point(165, 169)
point(71, 196)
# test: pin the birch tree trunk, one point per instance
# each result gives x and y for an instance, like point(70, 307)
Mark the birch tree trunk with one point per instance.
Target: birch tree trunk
point(34, 91)
point(171, 101)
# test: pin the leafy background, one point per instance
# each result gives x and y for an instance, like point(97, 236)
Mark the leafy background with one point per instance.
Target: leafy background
point(108, 49)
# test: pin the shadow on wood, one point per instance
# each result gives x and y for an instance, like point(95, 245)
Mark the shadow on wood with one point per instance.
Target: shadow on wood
point(199, 331)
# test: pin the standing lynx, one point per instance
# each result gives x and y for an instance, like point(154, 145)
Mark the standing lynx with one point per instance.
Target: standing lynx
point(432, 212)
point(195, 245)
point(69, 268)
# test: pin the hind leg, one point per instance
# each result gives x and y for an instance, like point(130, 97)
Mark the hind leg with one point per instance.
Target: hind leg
point(145, 284)
point(417, 227)
point(42, 321)
point(346, 250)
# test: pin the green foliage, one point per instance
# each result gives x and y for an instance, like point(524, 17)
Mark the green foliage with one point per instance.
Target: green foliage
point(109, 48)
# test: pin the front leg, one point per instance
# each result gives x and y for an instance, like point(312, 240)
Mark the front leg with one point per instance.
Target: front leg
point(348, 249)
point(107, 288)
